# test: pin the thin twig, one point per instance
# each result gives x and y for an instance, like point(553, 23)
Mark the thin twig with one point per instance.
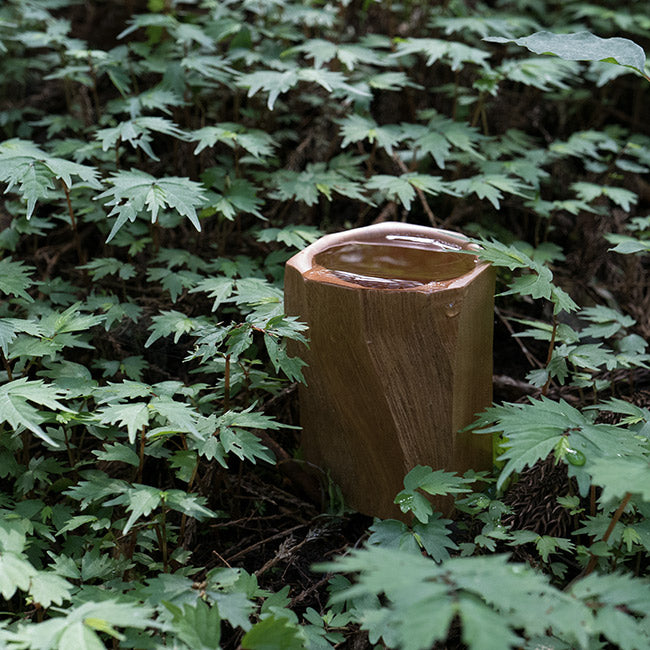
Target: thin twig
point(531, 359)
point(420, 193)
point(252, 547)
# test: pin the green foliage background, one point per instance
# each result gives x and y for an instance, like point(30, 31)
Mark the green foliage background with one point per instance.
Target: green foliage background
point(162, 160)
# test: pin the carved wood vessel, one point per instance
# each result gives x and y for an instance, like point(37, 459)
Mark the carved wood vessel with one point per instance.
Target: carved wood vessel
point(400, 357)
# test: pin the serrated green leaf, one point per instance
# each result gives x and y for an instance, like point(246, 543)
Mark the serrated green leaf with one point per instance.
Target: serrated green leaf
point(272, 633)
point(197, 625)
point(16, 409)
point(14, 278)
point(134, 191)
point(620, 475)
point(47, 588)
point(133, 416)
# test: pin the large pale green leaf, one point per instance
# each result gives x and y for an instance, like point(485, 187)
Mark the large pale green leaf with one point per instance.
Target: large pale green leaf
point(582, 46)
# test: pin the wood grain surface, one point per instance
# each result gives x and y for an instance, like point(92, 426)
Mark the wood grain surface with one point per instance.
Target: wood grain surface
point(392, 375)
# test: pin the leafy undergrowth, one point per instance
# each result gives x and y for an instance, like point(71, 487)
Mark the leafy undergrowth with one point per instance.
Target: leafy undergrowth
point(160, 163)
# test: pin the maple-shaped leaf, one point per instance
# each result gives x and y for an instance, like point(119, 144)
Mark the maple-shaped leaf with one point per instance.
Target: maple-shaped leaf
point(16, 398)
point(171, 322)
point(256, 142)
point(618, 195)
point(296, 236)
point(14, 278)
point(100, 267)
point(315, 180)
point(356, 128)
point(274, 631)
point(215, 69)
point(140, 501)
point(135, 191)
point(198, 625)
point(434, 49)
point(11, 327)
point(33, 171)
point(179, 416)
point(278, 82)
point(403, 187)
point(193, 505)
point(133, 416)
point(137, 132)
point(532, 431)
point(219, 288)
point(422, 477)
point(173, 281)
point(622, 474)
point(349, 54)
point(490, 187)
point(233, 196)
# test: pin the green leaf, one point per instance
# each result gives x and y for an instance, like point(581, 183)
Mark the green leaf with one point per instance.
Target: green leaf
point(197, 625)
point(435, 537)
point(356, 128)
point(435, 50)
point(295, 236)
point(140, 500)
point(132, 416)
point(170, 322)
point(256, 142)
point(137, 133)
point(583, 46)
point(102, 266)
point(23, 164)
point(627, 245)
point(620, 475)
point(393, 534)
point(47, 588)
point(618, 195)
point(135, 191)
point(271, 633)
point(15, 573)
point(14, 278)
point(437, 482)
point(11, 327)
point(16, 409)
point(118, 452)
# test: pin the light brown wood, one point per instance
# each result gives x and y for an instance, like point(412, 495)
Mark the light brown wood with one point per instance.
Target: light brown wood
point(393, 373)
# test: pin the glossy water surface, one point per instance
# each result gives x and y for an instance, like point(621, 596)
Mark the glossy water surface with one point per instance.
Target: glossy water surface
point(393, 262)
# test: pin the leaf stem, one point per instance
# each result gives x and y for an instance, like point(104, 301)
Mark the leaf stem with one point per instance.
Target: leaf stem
point(226, 385)
point(73, 221)
point(163, 526)
point(143, 439)
point(5, 363)
point(617, 515)
point(549, 356)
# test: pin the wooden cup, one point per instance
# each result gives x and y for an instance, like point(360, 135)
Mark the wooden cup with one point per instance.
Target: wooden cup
point(396, 365)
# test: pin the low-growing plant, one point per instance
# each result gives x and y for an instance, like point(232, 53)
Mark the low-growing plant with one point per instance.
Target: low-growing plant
point(160, 163)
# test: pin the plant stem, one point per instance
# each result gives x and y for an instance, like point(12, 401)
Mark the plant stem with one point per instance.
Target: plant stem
point(143, 439)
point(5, 363)
point(163, 525)
point(226, 385)
point(73, 222)
point(68, 449)
point(549, 356)
point(617, 515)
